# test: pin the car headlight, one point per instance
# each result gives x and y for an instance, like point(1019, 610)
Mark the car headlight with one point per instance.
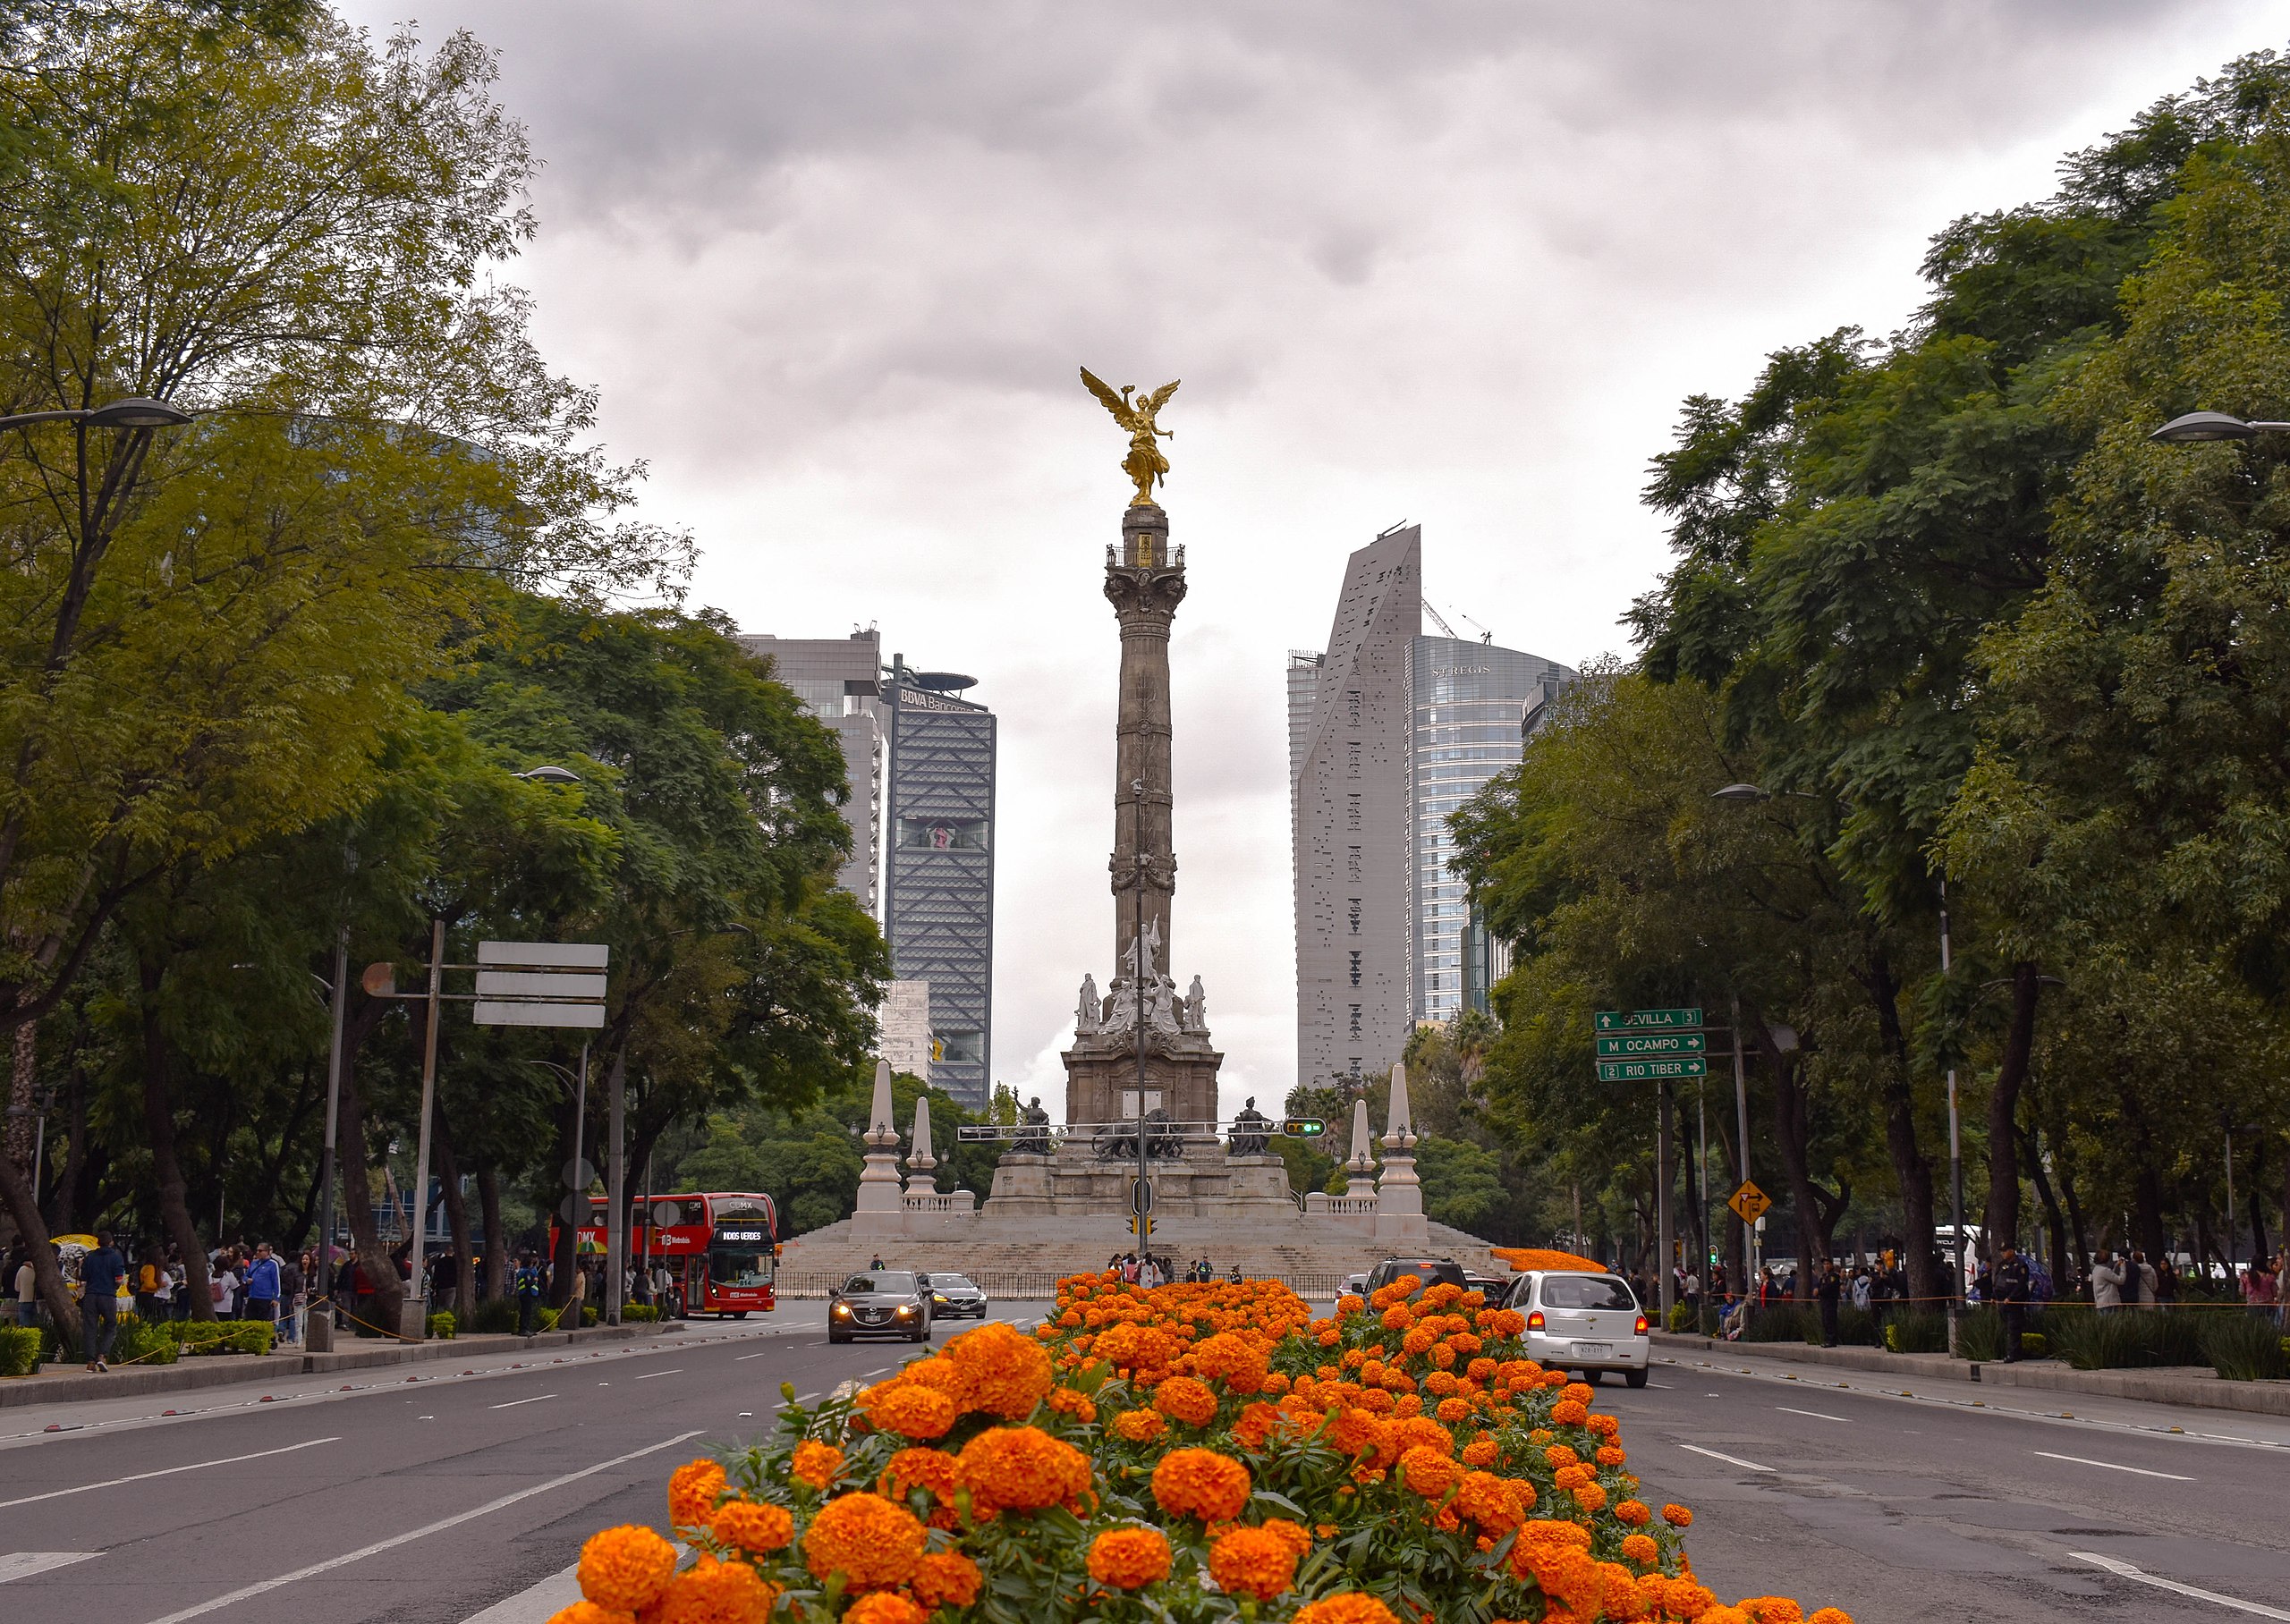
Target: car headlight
point(909, 1308)
point(843, 1309)
point(937, 1299)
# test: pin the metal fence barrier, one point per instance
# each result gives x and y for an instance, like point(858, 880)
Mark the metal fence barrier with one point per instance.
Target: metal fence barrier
point(1037, 1284)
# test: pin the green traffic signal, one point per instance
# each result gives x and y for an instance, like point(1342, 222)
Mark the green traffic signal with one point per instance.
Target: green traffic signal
point(1303, 1128)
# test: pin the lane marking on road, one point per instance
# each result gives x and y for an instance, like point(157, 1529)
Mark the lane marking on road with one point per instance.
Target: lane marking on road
point(165, 1471)
point(1747, 1465)
point(23, 1564)
point(513, 1403)
point(744, 1358)
point(648, 1375)
point(423, 1532)
point(2123, 1569)
point(1816, 1414)
point(2112, 1466)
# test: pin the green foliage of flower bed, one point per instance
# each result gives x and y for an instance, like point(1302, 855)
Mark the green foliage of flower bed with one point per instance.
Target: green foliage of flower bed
point(498, 1317)
point(20, 1350)
point(146, 1343)
point(1980, 1334)
point(1921, 1331)
point(2128, 1339)
point(1785, 1322)
point(638, 1314)
point(442, 1325)
point(226, 1336)
point(2243, 1348)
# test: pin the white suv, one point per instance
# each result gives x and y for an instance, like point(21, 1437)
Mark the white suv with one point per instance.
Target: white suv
point(1589, 1323)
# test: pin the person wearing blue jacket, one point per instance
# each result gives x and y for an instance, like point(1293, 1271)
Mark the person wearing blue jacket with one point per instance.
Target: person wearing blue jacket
point(261, 1286)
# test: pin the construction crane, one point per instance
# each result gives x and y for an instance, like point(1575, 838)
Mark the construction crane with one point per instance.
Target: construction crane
point(1439, 620)
point(1485, 636)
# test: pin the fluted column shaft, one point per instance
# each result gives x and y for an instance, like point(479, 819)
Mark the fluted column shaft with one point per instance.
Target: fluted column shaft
point(1145, 584)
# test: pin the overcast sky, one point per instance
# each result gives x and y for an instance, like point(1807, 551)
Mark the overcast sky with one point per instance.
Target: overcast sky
point(834, 265)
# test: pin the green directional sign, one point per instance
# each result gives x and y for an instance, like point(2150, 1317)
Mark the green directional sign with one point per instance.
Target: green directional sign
point(1652, 1042)
point(1648, 1020)
point(1650, 1070)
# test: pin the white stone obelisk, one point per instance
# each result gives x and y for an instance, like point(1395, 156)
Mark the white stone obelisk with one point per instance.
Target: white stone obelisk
point(1362, 1163)
point(1399, 1196)
point(880, 1198)
point(922, 1179)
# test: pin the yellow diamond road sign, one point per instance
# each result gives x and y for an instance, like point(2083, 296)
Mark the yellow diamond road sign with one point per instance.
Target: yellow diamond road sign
point(1750, 1202)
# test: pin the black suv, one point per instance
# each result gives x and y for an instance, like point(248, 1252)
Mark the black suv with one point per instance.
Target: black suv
point(881, 1302)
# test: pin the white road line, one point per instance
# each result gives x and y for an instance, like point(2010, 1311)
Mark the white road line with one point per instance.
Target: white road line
point(2123, 1569)
point(2112, 1466)
point(23, 1564)
point(168, 1471)
point(559, 1590)
point(423, 1532)
point(1747, 1465)
point(1815, 1413)
point(513, 1403)
point(648, 1375)
point(744, 1358)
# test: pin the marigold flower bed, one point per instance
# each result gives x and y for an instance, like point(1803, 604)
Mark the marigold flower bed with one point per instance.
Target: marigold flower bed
point(1187, 1455)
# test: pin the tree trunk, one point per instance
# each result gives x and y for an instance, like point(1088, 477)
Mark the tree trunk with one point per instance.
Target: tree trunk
point(2055, 1221)
point(2258, 1249)
point(2004, 1110)
point(449, 1185)
point(1811, 1208)
point(26, 1073)
point(567, 1259)
point(17, 1191)
point(1909, 1165)
point(497, 1244)
point(159, 1128)
point(65, 1196)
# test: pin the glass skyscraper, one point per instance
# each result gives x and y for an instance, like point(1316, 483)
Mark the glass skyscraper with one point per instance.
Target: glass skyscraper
point(1472, 705)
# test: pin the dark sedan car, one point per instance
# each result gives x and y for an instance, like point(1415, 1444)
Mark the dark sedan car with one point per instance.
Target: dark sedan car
point(880, 1302)
point(952, 1296)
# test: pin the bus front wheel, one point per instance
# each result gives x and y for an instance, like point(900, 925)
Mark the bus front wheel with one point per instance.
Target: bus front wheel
point(739, 1314)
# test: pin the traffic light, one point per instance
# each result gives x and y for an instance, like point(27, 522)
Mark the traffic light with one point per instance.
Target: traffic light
point(1303, 1128)
point(1141, 1226)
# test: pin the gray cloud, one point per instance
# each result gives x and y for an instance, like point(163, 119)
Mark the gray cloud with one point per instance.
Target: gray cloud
point(834, 265)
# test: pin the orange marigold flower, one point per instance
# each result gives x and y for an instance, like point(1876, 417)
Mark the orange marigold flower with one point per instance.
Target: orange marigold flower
point(1480, 1453)
point(1566, 1412)
point(692, 1489)
point(1022, 1469)
point(908, 1410)
point(911, 1469)
point(1571, 1476)
point(1590, 1496)
point(589, 1612)
point(1610, 1456)
point(871, 1542)
point(885, 1607)
point(1200, 1482)
point(1398, 1318)
point(1641, 1548)
point(1066, 1401)
point(1481, 1369)
point(1491, 1502)
point(1632, 1512)
point(1138, 1426)
point(752, 1525)
point(1349, 1304)
point(710, 1591)
point(1580, 1391)
point(1255, 1562)
point(1255, 1425)
point(1677, 1516)
point(1128, 1557)
point(1127, 1346)
point(1453, 1409)
point(1350, 1608)
point(1009, 1373)
point(1772, 1609)
point(1182, 1399)
point(1830, 1615)
point(1428, 1472)
point(945, 1578)
point(1377, 1402)
point(1240, 1365)
point(627, 1568)
point(1558, 1454)
point(814, 1463)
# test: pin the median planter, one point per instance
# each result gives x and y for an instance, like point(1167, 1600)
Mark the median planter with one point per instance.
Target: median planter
point(1209, 1454)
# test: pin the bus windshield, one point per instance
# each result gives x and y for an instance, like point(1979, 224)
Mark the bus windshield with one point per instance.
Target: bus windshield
point(739, 1265)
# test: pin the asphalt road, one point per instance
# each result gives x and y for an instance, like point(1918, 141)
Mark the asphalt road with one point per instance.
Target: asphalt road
point(462, 1497)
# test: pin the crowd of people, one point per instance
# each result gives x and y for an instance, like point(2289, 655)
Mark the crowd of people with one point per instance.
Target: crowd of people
point(1152, 1270)
point(243, 1282)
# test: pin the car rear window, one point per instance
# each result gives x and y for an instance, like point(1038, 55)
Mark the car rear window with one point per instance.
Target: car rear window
point(1586, 1292)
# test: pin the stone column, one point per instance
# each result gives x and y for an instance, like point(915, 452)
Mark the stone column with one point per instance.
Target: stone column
point(1145, 583)
point(1399, 1195)
point(881, 1202)
point(921, 1166)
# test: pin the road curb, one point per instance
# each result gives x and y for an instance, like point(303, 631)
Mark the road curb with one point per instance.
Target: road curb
point(2193, 1386)
point(226, 1369)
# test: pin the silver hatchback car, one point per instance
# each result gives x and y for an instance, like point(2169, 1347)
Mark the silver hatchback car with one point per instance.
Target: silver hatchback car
point(1584, 1321)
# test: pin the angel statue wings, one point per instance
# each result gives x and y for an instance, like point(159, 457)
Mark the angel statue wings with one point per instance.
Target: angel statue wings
point(1145, 464)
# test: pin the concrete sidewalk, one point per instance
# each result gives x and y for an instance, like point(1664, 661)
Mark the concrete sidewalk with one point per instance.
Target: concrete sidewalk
point(188, 1374)
point(2195, 1385)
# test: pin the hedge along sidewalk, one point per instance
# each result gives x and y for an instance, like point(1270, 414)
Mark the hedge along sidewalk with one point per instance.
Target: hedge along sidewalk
point(2192, 1385)
point(61, 1385)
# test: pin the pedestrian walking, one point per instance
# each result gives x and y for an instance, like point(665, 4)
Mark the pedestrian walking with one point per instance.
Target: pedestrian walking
point(101, 1271)
point(1827, 1291)
point(2107, 1284)
point(223, 1284)
point(2010, 1281)
point(293, 1274)
point(148, 1274)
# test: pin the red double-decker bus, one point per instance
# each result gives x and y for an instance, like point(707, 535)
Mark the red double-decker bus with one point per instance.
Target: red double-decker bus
point(718, 1247)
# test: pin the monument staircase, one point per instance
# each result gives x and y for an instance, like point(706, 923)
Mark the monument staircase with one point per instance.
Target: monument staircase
point(1014, 1261)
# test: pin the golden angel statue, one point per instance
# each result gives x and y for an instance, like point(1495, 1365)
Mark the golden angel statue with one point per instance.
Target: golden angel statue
point(1145, 464)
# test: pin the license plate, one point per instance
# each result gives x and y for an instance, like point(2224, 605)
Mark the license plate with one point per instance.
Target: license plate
point(1594, 1350)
